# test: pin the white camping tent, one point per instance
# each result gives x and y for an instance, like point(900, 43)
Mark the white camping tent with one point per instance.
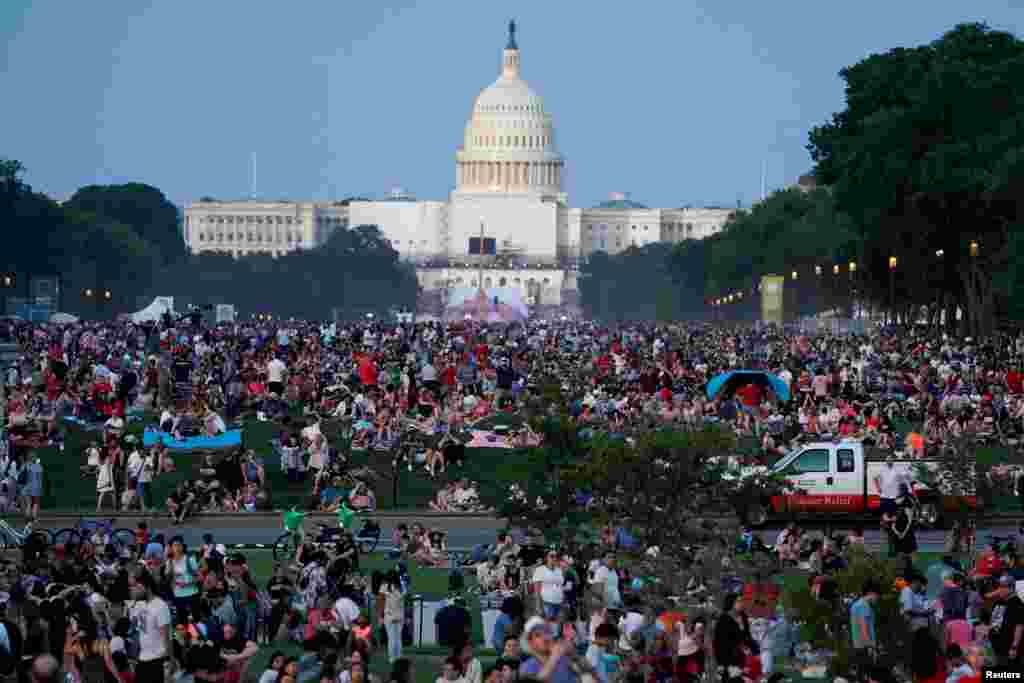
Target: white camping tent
point(152, 312)
point(225, 313)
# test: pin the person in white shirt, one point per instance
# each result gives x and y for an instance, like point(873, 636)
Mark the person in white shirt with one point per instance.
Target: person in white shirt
point(151, 618)
point(606, 582)
point(276, 370)
point(346, 611)
point(888, 483)
point(549, 585)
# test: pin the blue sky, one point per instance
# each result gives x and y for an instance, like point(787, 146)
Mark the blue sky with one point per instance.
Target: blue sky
point(677, 103)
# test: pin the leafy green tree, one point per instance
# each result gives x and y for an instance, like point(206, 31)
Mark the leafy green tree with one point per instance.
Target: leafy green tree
point(923, 159)
point(142, 208)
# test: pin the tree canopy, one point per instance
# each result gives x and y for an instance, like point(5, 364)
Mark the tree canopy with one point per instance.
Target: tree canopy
point(126, 239)
point(924, 164)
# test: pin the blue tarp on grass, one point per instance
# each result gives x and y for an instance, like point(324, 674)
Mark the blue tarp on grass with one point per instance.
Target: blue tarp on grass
point(229, 439)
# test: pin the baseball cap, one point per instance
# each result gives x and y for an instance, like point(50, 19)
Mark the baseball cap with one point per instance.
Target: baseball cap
point(533, 624)
point(1006, 580)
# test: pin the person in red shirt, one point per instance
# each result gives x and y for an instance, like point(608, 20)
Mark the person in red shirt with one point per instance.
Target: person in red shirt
point(368, 371)
point(1015, 381)
point(751, 395)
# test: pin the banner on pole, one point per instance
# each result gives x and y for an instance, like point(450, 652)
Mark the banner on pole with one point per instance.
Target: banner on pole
point(772, 300)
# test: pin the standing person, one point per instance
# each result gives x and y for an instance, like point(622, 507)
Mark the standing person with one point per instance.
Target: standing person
point(1007, 629)
point(903, 535)
point(862, 626)
point(549, 586)
point(183, 572)
point(730, 638)
point(105, 481)
point(276, 372)
point(394, 611)
point(151, 619)
point(606, 583)
point(146, 474)
point(33, 487)
point(888, 482)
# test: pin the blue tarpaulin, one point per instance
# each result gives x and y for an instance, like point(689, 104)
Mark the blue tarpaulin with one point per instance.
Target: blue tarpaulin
point(229, 439)
point(735, 379)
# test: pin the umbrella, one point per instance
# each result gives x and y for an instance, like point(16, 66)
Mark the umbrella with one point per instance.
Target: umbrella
point(729, 382)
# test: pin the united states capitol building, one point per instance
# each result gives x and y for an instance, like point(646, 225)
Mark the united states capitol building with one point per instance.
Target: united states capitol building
point(507, 217)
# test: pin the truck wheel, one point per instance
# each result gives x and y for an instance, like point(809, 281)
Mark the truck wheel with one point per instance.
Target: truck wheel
point(931, 515)
point(757, 514)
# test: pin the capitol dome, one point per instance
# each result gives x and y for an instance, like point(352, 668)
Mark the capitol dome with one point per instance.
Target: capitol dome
point(509, 143)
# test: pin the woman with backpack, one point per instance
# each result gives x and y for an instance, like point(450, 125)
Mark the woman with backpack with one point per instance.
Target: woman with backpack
point(181, 571)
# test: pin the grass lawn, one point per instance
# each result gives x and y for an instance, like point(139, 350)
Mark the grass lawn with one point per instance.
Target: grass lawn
point(68, 491)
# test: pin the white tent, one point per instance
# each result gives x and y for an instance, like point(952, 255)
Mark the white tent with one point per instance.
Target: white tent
point(63, 319)
point(152, 312)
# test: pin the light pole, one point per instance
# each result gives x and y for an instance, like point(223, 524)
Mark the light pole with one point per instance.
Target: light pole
point(892, 288)
point(817, 275)
point(853, 289)
point(8, 281)
point(796, 299)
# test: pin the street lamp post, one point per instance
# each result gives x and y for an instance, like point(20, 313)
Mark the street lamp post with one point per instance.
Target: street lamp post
point(794, 276)
point(892, 288)
point(8, 281)
point(817, 275)
point(853, 289)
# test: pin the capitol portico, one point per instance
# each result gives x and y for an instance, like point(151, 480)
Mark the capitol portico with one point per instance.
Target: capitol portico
point(507, 212)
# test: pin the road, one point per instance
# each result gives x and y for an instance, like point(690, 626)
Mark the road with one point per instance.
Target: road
point(463, 533)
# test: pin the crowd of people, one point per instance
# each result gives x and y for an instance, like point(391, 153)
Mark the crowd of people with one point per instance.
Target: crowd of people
point(413, 391)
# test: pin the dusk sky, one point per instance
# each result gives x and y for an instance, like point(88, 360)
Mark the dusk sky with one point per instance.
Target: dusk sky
point(677, 103)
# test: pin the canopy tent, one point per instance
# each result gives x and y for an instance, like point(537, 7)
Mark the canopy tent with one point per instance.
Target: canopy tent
point(153, 312)
point(63, 319)
point(728, 382)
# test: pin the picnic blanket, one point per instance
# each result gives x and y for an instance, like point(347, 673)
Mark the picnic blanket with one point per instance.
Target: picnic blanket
point(486, 439)
point(229, 439)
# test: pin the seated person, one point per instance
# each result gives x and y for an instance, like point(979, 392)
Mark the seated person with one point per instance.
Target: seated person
point(361, 498)
point(167, 421)
point(181, 503)
point(207, 480)
point(331, 495)
point(214, 424)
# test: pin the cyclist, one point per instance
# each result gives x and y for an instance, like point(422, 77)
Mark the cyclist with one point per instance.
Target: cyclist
point(293, 522)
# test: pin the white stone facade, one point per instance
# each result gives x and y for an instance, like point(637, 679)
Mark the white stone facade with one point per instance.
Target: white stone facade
point(241, 228)
point(508, 190)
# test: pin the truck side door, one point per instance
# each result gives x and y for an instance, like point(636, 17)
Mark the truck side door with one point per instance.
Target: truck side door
point(811, 473)
point(847, 486)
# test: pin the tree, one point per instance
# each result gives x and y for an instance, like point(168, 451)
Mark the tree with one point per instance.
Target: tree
point(142, 208)
point(826, 623)
point(921, 160)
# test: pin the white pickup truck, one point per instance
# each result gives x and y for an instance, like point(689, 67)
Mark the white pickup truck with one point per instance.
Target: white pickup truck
point(839, 478)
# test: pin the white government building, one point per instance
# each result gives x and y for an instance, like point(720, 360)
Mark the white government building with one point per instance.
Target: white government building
point(508, 190)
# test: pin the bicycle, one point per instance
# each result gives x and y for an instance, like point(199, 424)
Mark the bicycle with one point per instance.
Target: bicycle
point(86, 529)
point(286, 545)
point(12, 538)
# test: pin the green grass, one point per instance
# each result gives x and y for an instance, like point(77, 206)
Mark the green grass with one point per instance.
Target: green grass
point(68, 491)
